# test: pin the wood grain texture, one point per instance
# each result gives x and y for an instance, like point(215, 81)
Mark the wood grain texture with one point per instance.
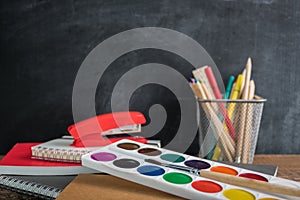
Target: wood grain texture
point(288, 165)
point(109, 187)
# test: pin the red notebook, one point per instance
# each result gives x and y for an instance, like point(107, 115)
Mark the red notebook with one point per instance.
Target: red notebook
point(18, 161)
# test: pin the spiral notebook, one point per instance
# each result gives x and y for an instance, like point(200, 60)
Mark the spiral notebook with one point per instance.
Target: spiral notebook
point(61, 150)
point(18, 162)
point(44, 187)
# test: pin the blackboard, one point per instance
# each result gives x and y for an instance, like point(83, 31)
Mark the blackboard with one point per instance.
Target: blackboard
point(43, 44)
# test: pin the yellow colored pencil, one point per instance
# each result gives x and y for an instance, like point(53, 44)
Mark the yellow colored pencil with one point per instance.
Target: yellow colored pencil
point(235, 94)
point(231, 93)
point(217, 153)
point(243, 84)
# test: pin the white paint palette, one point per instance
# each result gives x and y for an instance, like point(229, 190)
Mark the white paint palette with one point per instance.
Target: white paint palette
point(126, 159)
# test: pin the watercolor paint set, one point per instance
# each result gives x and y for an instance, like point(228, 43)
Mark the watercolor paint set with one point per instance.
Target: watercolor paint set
point(175, 173)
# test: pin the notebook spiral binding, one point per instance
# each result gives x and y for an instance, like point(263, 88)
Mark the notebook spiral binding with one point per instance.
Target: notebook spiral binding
point(31, 188)
point(61, 155)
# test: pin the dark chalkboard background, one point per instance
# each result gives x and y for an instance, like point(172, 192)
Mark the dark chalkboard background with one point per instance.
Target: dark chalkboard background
point(44, 42)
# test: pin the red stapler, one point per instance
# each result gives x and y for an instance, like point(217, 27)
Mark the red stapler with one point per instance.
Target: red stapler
point(90, 132)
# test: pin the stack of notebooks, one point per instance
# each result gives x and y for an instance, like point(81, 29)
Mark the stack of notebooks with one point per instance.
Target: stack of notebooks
point(44, 169)
point(39, 177)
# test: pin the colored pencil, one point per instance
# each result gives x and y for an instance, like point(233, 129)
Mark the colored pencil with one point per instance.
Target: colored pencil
point(235, 94)
point(229, 87)
point(232, 90)
point(243, 84)
point(248, 132)
point(243, 113)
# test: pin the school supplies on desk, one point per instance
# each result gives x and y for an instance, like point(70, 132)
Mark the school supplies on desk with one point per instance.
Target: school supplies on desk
point(128, 160)
point(18, 162)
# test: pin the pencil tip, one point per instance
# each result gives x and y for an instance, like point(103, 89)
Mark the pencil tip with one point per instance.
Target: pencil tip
point(244, 72)
point(249, 62)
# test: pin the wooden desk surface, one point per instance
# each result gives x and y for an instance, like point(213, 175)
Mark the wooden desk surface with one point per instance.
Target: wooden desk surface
point(288, 167)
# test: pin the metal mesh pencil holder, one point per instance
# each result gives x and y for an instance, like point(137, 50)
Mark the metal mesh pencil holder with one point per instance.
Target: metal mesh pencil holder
point(229, 129)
